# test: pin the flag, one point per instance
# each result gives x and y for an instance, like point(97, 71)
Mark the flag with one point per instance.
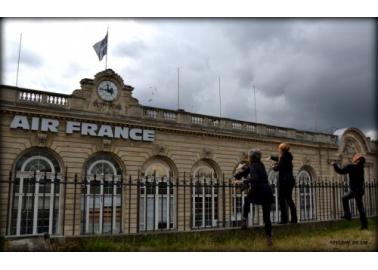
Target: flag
point(101, 47)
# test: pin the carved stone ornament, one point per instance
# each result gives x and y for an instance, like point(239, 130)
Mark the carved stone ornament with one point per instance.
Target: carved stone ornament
point(350, 149)
point(42, 139)
point(306, 161)
point(207, 153)
point(159, 149)
point(106, 144)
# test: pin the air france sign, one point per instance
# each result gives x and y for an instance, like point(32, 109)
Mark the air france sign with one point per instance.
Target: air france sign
point(86, 129)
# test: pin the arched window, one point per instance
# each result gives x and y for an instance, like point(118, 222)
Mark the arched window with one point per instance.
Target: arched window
point(36, 190)
point(204, 196)
point(101, 200)
point(238, 200)
point(275, 213)
point(306, 195)
point(157, 195)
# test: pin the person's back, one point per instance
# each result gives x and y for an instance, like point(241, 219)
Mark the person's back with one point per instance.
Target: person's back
point(261, 190)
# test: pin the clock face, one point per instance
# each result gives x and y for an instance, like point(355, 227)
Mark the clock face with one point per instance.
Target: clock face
point(107, 90)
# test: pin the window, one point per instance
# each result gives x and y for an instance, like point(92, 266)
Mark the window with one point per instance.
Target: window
point(35, 206)
point(275, 214)
point(204, 197)
point(306, 196)
point(156, 202)
point(101, 200)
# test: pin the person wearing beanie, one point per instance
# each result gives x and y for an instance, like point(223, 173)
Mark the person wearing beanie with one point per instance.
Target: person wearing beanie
point(260, 191)
point(356, 188)
point(285, 183)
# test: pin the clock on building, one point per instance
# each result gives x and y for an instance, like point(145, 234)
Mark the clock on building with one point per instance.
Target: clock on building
point(107, 90)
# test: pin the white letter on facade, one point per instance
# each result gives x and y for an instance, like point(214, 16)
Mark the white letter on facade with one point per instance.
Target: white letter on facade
point(20, 121)
point(134, 136)
point(35, 123)
point(119, 131)
point(72, 126)
point(105, 130)
point(148, 135)
point(88, 129)
point(49, 125)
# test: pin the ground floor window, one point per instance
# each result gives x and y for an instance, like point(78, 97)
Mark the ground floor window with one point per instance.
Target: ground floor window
point(156, 199)
point(101, 195)
point(36, 194)
point(275, 213)
point(204, 198)
point(306, 195)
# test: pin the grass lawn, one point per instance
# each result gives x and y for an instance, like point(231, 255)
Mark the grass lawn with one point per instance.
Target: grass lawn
point(346, 236)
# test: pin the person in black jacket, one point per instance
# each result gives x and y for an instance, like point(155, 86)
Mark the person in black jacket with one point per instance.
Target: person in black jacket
point(356, 188)
point(260, 191)
point(285, 182)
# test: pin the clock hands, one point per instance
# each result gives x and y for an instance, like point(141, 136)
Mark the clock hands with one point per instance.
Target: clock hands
point(107, 89)
point(110, 91)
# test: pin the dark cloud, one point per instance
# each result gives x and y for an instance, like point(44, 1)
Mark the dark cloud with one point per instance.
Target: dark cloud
point(308, 74)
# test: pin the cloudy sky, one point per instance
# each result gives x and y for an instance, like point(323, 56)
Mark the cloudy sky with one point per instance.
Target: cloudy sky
point(307, 74)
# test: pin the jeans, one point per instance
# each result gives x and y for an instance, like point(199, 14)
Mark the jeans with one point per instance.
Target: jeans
point(284, 196)
point(357, 194)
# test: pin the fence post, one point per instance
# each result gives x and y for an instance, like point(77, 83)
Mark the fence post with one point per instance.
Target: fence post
point(191, 194)
point(370, 199)
point(104, 185)
point(130, 203)
point(56, 181)
point(9, 200)
point(114, 189)
point(177, 203)
point(184, 201)
point(231, 207)
point(93, 183)
point(33, 202)
point(334, 201)
point(138, 204)
point(64, 202)
point(84, 195)
point(74, 210)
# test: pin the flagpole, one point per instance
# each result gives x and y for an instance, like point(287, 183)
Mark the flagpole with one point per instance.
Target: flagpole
point(220, 103)
point(178, 88)
point(19, 55)
point(316, 128)
point(285, 109)
point(254, 92)
point(107, 46)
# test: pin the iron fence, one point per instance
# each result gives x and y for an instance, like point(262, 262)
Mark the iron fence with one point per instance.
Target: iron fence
point(56, 204)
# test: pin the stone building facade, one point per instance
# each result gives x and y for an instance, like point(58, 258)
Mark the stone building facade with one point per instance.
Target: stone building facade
point(101, 133)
